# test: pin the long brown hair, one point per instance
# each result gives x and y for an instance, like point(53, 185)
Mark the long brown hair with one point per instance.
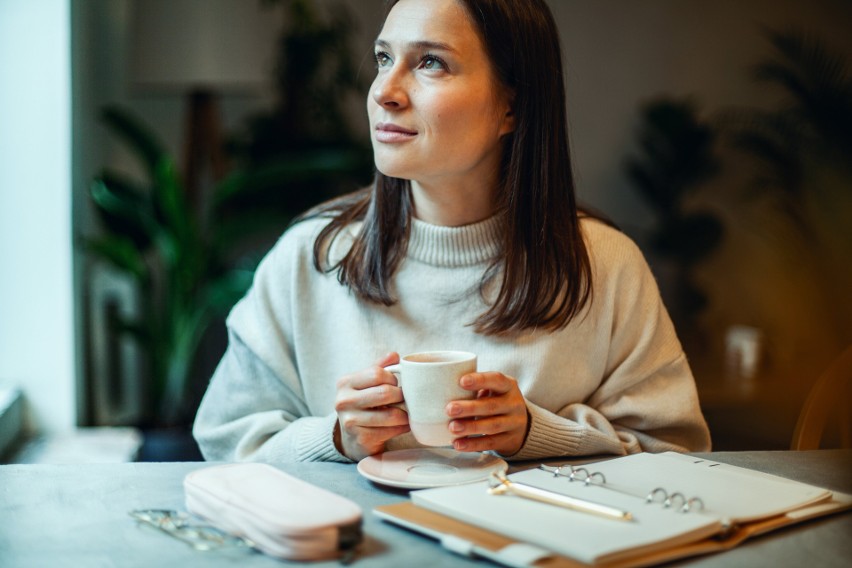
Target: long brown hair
point(543, 266)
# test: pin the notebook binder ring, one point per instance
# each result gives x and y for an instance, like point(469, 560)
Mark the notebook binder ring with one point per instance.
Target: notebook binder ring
point(594, 474)
point(575, 474)
point(685, 505)
point(677, 495)
point(676, 500)
point(691, 503)
point(556, 470)
point(653, 495)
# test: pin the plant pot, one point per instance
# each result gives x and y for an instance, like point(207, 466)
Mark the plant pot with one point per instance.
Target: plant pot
point(169, 444)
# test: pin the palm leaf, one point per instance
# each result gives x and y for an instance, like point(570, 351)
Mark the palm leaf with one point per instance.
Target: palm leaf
point(134, 132)
point(277, 176)
point(775, 141)
point(121, 253)
point(817, 82)
point(123, 209)
point(676, 153)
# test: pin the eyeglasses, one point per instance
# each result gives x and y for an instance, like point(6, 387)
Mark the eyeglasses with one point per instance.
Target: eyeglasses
point(182, 527)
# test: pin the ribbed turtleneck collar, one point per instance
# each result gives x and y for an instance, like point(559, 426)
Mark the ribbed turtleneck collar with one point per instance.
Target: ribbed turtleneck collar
point(454, 246)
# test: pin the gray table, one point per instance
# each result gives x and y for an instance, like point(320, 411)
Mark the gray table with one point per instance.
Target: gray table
point(77, 516)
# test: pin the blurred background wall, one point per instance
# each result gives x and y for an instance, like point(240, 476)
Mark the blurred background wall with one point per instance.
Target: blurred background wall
point(620, 56)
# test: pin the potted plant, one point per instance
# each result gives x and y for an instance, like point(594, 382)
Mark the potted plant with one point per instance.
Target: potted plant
point(801, 152)
point(676, 157)
point(179, 262)
point(802, 149)
point(192, 259)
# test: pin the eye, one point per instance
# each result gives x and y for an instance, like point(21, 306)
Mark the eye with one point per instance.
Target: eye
point(382, 59)
point(432, 63)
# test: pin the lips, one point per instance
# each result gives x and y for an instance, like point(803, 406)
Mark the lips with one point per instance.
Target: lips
point(389, 132)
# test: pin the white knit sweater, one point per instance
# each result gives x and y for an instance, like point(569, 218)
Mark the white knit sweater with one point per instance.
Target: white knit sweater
point(615, 380)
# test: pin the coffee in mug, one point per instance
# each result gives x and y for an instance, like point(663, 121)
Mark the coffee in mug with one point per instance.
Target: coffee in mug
point(429, 381)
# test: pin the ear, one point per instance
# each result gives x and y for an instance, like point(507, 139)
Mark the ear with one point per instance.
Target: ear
point(508, 125)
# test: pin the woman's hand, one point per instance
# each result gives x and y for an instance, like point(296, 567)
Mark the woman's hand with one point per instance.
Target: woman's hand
point(364, 419)
point(497, 417)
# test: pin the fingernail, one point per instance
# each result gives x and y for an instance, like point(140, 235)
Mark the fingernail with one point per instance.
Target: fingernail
point(467, 381)
point(460, 444)
point(453, 409)
point(456, 426)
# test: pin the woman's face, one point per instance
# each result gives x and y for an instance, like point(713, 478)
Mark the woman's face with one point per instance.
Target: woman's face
point(437, 112)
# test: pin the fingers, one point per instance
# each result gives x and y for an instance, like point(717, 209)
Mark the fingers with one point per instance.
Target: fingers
point(504, 443)
point(497, 383)
point(365, 433)
point(376, 418)
point(484, 426)
point(365, 419)
point(495, 420)
point(358, 442)
point(504, 437)
point(367, 398)
point(370, 387)
point(496, 394)
point(391, 358)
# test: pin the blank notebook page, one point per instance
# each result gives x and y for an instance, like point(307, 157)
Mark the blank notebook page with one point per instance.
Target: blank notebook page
point(730, 492)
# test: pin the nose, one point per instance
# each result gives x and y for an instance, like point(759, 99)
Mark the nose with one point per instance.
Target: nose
point(389, 89)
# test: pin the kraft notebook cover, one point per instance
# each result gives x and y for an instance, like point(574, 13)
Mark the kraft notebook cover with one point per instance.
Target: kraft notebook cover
point(722, 500)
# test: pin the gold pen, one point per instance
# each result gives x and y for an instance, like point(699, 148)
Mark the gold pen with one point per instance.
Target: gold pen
point(502, 485)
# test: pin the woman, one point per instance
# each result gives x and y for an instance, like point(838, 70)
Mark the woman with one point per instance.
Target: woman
point(469, 239)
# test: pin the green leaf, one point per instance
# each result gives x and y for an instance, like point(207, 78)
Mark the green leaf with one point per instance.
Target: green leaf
point(188, 328)
point(170, 198)
point(120, 252)
point(276, 176)
point(169, 250)
point(180, 237)
point(123, 210)
point(135, 133)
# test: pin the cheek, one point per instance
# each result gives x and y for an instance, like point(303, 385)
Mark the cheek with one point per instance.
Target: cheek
point(371, 107)
point(448, 116)
point(469, 107)
point(463, 121)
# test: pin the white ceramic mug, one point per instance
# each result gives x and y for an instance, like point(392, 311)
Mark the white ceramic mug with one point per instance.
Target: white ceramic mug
point(429, 381)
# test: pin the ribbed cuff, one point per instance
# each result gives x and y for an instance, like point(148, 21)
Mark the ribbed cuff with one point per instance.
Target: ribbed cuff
point(552, 435)
point(316, 440)
point(549, 436)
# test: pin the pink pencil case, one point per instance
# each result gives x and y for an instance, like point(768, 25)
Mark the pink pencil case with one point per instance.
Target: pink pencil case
point(281, 515)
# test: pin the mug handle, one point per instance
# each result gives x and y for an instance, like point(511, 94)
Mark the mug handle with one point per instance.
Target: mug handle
point(397, 370)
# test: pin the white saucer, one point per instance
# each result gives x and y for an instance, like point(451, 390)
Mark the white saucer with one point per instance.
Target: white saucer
point(429, 467)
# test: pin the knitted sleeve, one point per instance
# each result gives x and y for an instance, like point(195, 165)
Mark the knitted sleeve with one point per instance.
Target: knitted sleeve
point(254, 408)
point(646, 399)
point(249, 414)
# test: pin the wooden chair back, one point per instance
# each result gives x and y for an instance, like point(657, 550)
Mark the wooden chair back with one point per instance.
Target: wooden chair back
point(830, 393)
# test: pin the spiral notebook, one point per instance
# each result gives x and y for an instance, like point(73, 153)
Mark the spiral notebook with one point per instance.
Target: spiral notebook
point(680, 506)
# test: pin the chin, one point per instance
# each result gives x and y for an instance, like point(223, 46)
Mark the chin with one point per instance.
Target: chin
point(394, 170)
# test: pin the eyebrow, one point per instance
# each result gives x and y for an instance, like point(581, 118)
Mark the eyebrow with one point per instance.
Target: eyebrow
point(423, 45)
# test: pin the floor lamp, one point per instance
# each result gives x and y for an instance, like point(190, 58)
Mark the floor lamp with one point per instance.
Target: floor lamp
point(202, 50)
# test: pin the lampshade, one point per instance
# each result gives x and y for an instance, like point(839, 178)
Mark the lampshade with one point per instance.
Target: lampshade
point(221, 45)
